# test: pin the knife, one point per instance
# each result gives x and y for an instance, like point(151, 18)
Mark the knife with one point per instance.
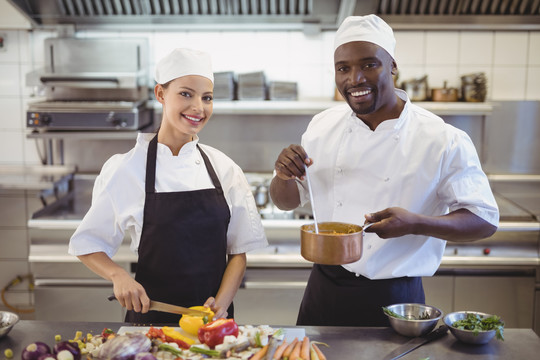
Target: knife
point(417, 342)
point(174, 309)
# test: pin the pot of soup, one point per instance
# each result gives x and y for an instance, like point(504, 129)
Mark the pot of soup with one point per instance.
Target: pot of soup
point(336, 243)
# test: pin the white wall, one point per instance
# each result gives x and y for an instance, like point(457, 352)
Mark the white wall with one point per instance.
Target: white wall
point(510, 59)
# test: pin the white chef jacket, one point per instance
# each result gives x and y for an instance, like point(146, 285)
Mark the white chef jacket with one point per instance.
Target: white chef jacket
point(417, 162)
point(119, 194)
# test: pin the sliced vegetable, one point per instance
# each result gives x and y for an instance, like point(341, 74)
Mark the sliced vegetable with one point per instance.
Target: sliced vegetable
point(125, 347)
point(191, 323)
point(214, 332)
point(107, 332)
point(71, 346)
point(35, 350)
point(186, 342)
point(171, 349)
point(8, 353)
point(64, 355)
point(208, 352)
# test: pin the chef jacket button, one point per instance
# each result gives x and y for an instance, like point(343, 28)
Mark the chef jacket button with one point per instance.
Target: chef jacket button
point(197, 161)
point(386, 179)
point(369, 246)
point(349, 130)
point(340, 171)
point(339, 204)
point(396, 137)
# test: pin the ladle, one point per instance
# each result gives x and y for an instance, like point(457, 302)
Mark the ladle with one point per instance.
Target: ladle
point(311, 199)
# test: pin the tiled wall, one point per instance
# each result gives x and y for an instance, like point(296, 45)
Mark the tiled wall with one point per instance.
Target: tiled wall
point(510, 59)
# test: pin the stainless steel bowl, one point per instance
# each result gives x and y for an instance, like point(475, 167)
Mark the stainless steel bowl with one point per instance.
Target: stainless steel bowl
point(7, 321)
point(414, 325)
point(468, 336)
point(335, 244)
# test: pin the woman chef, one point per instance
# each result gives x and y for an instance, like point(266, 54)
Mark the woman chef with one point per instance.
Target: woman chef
point(187, 207)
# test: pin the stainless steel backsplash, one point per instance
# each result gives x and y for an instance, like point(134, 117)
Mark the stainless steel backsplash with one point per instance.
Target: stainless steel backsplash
point(507, 144)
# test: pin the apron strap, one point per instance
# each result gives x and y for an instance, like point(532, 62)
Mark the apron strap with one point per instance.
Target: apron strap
point(211, 171)
point(150, 184)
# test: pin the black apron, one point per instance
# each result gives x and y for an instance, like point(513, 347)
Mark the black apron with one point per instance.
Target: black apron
point(335, 296)
point(183, 247)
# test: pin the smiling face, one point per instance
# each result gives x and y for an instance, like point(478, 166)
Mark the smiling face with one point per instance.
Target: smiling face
point(187, 105)
point(363, 73)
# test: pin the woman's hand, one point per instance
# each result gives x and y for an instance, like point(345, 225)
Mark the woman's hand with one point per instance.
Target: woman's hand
point(219, 311)
point(130, 294)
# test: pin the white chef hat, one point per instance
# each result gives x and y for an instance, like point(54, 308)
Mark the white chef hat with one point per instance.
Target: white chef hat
point(370, 28)
point(183, 62)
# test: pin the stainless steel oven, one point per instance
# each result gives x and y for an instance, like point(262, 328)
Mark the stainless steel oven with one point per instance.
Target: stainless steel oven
point(92, 84)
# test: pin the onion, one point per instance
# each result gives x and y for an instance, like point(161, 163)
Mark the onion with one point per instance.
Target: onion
point(125, 347)
point(47, 357)
point(145, 356)
point(35, 350)
point(70, 346)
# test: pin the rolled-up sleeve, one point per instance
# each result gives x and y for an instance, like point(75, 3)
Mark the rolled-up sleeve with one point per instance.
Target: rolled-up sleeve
point(465, 184)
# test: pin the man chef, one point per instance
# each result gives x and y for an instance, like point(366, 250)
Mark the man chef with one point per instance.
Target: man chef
point(187, 207)
point(381, 159)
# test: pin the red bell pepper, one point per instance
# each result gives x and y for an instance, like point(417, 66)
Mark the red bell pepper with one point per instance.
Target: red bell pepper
point(214, 332)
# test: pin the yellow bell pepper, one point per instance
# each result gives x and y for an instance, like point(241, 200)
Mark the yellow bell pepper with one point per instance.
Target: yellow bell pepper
point(191, 324)
point(170, 332)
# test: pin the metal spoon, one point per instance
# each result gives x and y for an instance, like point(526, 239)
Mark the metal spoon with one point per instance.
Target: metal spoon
point(311, 199)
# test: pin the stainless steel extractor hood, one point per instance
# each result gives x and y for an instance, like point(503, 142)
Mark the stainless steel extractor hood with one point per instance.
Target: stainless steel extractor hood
point(308, 15)
point(194, 14)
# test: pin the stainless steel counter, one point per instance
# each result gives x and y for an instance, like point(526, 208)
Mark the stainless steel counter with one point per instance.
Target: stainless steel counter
point(344, 342)
point(37, 177)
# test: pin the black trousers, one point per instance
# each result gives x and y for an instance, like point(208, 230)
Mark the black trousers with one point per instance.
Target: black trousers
point(337, 297)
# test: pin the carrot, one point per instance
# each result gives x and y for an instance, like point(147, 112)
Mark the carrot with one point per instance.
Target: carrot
point(289, 349)
point(280, 350)
point(304, 349)
point(319, 352)
point(260, 354)
point(295, 355)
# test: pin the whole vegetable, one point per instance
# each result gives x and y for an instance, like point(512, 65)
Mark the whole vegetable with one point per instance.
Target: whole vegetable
point(124, 347)
point(35, 350)
point(70, 346)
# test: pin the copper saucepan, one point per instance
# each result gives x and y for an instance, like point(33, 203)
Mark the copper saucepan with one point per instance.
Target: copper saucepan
point(336, 243)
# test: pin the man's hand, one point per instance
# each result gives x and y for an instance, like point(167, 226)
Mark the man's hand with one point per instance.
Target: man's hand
point(392, 222)
point(290, 163)
point(460, 225)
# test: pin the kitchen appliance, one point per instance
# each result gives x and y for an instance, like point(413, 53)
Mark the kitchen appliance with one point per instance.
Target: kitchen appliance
point(85, 90)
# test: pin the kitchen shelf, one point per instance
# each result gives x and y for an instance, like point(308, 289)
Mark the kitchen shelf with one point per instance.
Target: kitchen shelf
point(305, 107)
